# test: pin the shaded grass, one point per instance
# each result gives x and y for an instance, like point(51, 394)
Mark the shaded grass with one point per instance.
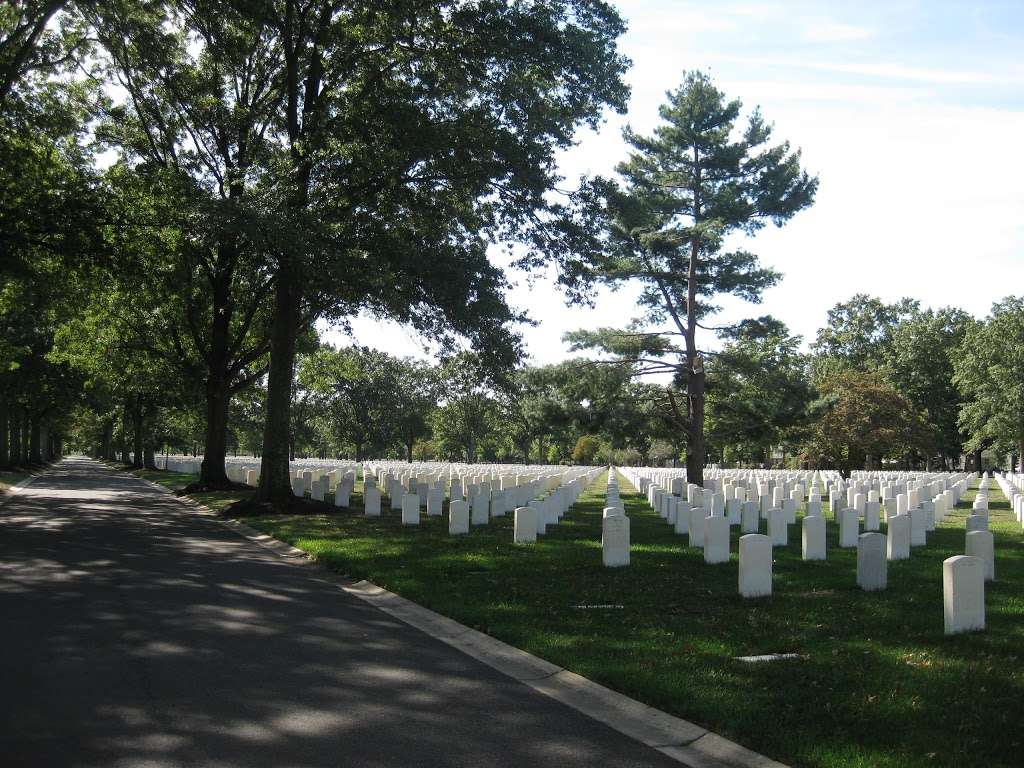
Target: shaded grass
point(9, 477)
point(175, 481)
point(877, 682)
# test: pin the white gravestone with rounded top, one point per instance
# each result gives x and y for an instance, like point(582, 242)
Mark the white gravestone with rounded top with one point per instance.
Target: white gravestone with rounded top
point(682, 517)
point(963, 594)
point(615, 541)
point(410, 509)
point(716, 539)
point(371, 501)
point(898, 540)
point(814, 538)
point(755, 572)
point(872, 516)
point(458, 517)
point(918, 529)
point(696, 530)
point(981, 544)
point(778, 527)
point(849, 527)
point(750, 520)
point(525, 525)
point(872, 567)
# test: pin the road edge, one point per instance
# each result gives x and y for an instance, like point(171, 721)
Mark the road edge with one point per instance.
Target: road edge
point(681, 740)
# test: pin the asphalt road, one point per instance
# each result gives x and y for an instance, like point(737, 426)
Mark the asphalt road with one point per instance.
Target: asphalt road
point(134, 632)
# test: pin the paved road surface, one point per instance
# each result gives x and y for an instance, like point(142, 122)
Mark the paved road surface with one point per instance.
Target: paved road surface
point(134, 632)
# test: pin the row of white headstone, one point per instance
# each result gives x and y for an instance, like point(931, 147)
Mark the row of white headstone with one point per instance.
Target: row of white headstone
point(705, 514)
point(1012, 486)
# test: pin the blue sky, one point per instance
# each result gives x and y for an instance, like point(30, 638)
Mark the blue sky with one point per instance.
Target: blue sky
point(911, 114)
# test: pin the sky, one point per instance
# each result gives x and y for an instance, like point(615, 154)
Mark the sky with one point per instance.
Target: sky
point(910, 113)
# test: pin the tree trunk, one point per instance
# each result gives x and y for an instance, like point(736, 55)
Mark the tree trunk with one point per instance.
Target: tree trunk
point(107, 445)
point(408, 451)
point(5, 453)
point(274, 480)
point(1020, 455)
point(36, 442)
point(471, 450)
point(218, 392)
point(26, 437)
point(215, 449)
point(695, 449)
point(124, 436)
point(15, 437)
point(977, 462)
point(695, 453)
point(138, 423)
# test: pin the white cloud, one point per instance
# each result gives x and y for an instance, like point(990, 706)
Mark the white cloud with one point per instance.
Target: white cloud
point(887, 70)
point(834, 32)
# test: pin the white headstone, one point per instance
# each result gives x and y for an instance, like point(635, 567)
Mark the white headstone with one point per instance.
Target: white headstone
point(750, 517)
point(755, 579)
point(977, 523)
point(615, 541)
point(778, 527)
point(981, 544)
point(458, 517)
point(716, 539)
point(682, 517)
point(410, 509)
point(733, 511)
point(342, 495)
point(963, 594)
point(814, 538)
point(525, 525)
point(872, 567)
point(480, 507)
point(872, 516)
point(696, 530)
point(317, 489)
point(898, 540)
point(789, 508)
point(848, 527)
point(371, 501)
point(435, 501)
point(918, 529)
point(928, 508)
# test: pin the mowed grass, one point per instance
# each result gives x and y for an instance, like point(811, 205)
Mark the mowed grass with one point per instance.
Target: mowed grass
point(175, 481)
point(877, 683)
point(9, 477)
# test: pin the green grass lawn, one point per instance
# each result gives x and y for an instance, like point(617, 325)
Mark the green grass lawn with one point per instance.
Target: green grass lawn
point(877, 682)
point(11, 477)
point(175, 481)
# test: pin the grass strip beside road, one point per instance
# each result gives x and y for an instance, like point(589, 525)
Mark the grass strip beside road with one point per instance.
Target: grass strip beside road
point(875, 681)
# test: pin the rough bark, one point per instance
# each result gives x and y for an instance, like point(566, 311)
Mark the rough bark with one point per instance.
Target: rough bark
point(107, 444)
point(138, 425)
point(36, 442)
point(5, 453)
point(218, 391)
point(695, 447)
point(274, 480)
point(15, 437)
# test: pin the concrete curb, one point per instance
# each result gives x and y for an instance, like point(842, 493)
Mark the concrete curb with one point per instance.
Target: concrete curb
point(683, 741)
